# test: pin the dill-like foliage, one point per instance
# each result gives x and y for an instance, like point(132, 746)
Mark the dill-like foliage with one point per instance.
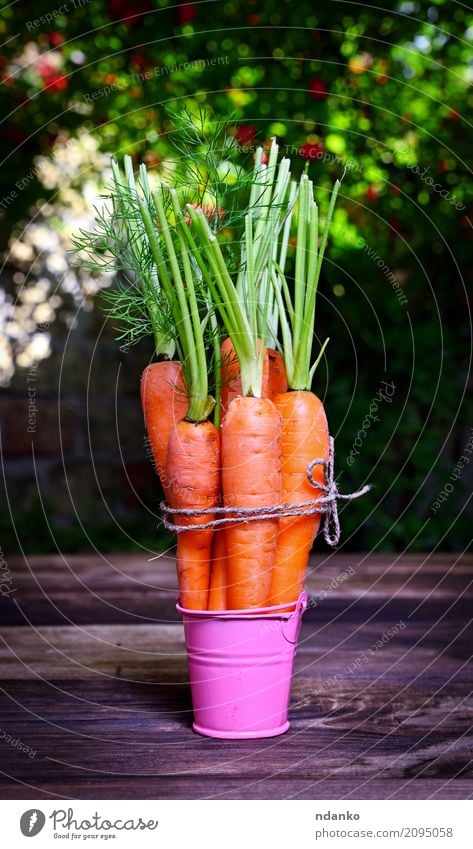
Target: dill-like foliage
point(211, 172)
point(204, 174)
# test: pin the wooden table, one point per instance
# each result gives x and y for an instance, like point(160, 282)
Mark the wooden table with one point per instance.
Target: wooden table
point(94, 681)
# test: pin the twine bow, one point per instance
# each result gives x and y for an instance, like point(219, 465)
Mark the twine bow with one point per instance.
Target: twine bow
point(332, 495)
point(325, 504)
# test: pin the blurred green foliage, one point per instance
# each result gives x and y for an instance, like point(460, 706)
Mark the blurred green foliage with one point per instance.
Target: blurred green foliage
point(385, 95)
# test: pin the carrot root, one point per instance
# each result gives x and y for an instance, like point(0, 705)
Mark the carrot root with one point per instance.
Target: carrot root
point(251, 477)
point(218, 573)
point(274, 375)
point(193, 470)
point(164, 402)
point(304, 437)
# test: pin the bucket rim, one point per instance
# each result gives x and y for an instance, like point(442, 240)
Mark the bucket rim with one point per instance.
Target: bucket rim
point(279, 611)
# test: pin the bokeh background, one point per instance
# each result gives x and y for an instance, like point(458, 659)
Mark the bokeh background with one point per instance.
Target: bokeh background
point(384, 96)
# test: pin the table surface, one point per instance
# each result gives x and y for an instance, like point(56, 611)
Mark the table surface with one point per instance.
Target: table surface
point(94, 681)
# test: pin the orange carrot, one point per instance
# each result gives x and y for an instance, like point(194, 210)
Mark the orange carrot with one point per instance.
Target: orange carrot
point(251, 477)
point(274, 375)
point(231, 381)
point(218, 573)
point(304, 437)
point(193, 471)
point(164, 402)
point(277, 380)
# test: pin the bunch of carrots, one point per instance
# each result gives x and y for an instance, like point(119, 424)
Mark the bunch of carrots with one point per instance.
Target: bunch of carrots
point(228, 407)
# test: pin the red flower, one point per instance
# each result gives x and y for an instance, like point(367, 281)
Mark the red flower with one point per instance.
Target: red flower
point(245, 134)
point(254, 20)
point(372, 193)
point(54, 82)
point(311, 150)
point(58, 82)
point(318, 89)
point(139, 61)
point(186, 13)
point(50, 77)
point(56, 38)
point(152, 159)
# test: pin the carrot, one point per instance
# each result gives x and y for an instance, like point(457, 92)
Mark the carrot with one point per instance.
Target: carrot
point(251, 477)
point(304, 437)
point(218, 573)
point(164, 403)
point(277, 379)
point(231, 379)
point(193, 471)
point(250, 430)
point(274, 374)
point(193, 462)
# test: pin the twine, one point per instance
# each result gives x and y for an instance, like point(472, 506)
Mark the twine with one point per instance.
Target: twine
point(325, 504)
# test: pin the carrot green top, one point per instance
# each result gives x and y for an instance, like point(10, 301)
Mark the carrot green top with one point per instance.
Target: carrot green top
point(176, 276)
point(180, 275)
point(297, 313)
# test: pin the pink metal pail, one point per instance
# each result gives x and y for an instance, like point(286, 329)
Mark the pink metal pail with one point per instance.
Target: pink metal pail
point(240, 668)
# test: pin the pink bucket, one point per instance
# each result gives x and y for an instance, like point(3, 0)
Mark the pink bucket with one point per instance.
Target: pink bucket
point(240, 668)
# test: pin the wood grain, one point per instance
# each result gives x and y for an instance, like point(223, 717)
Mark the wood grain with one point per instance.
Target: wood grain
point(94, 682)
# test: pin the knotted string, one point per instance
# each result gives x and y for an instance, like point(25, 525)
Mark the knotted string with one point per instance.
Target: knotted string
point(325, 504)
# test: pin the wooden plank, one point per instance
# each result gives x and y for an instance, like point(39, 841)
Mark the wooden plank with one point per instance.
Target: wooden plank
point(147, 652)
point(83, 589)
point(81, 744)
point(205, 788)
point(160, 572)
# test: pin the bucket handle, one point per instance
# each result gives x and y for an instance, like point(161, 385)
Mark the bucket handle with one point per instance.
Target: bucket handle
point(292, 626)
